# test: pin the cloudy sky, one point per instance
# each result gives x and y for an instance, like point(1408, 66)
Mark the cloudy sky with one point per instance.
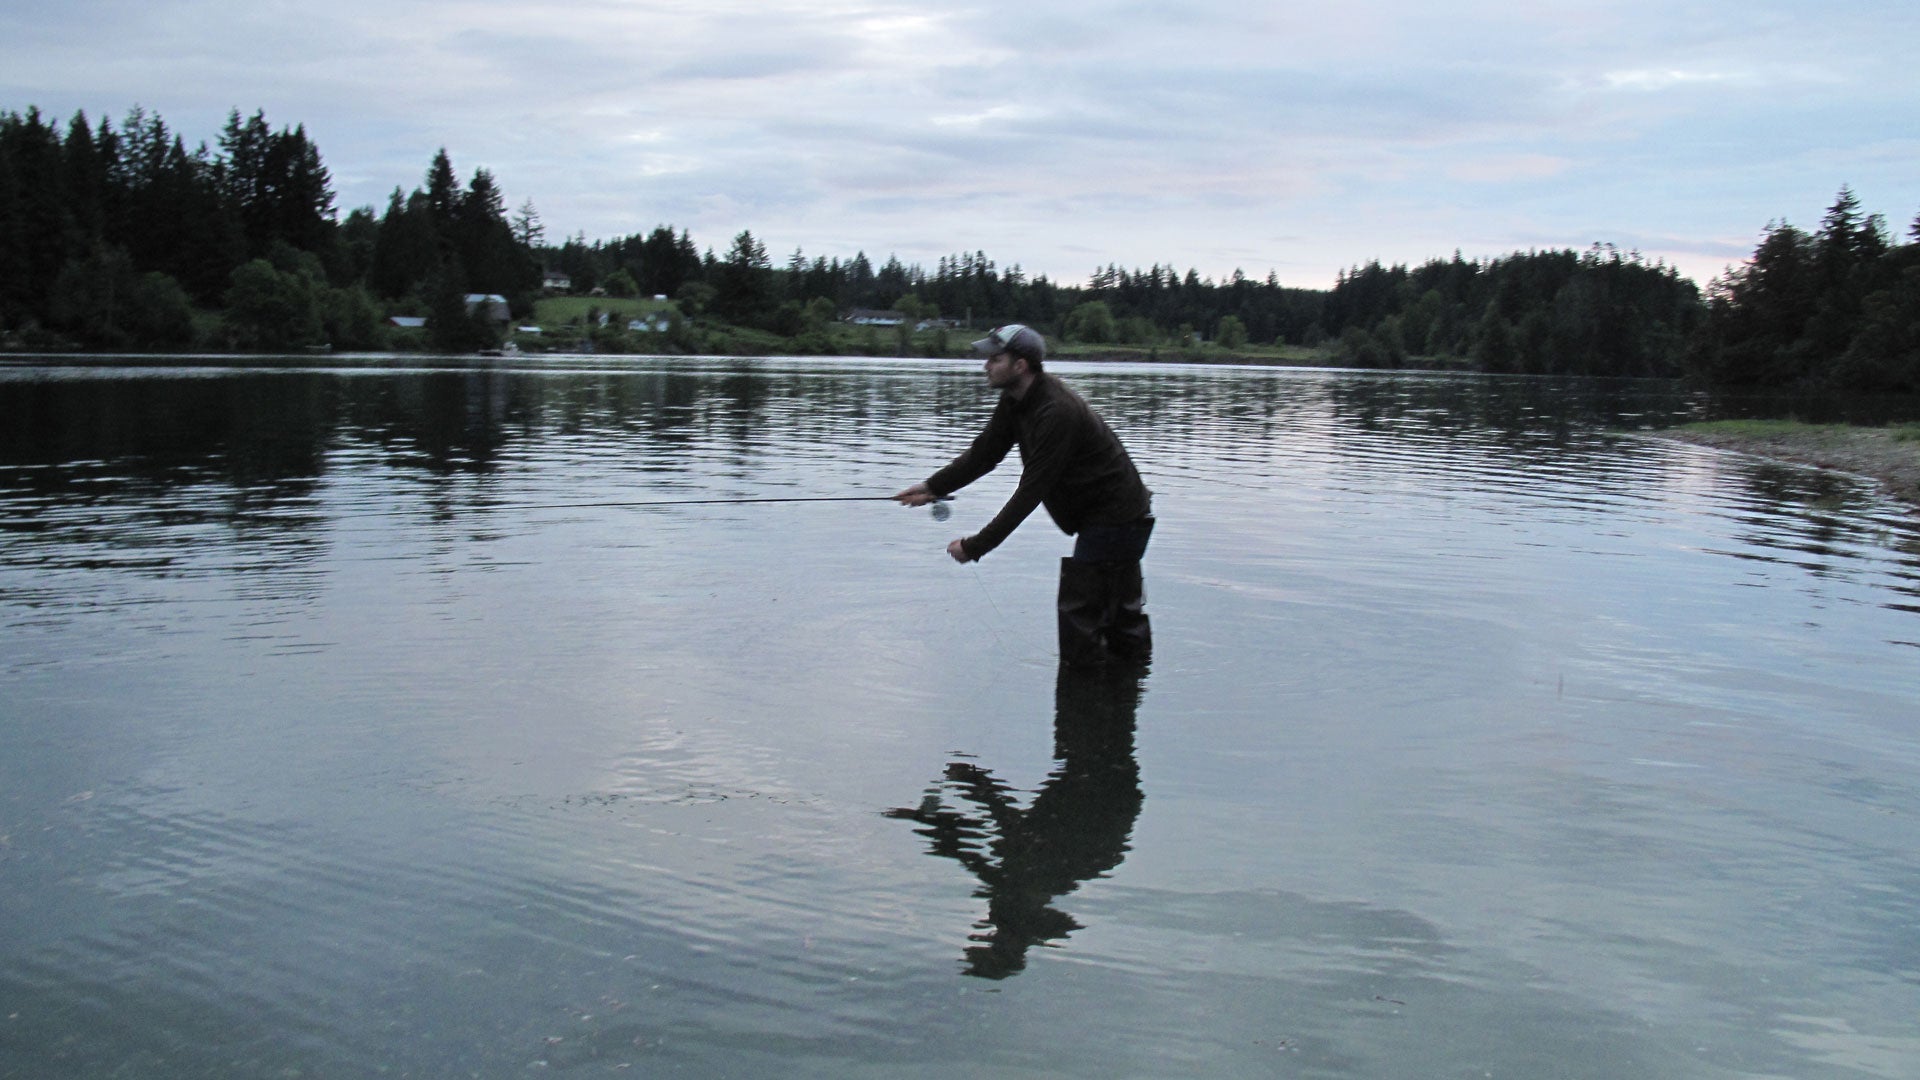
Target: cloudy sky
point(1061, 135)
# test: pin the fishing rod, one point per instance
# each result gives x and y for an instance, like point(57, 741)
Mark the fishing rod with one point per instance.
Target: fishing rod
point(940, 509)
point(707, 502)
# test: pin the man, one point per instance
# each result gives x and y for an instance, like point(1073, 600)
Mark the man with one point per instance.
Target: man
point(1074, 465)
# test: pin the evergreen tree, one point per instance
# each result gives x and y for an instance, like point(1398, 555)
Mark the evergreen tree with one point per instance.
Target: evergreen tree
point(406, 250)
point(1848, 239)
point(1846, 257)
point(1884, 355)
point(1757, 314)
point(359, 234)
point(13, 253)
point(483, 240)
point(527, 229)
point(40, 228)
point(86, 184)
point(857, 288)
point(743, 284)
point(443, 190)
point(300, 210)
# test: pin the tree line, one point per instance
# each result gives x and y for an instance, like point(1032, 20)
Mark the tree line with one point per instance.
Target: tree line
point(119, 236)
point(1837, 308)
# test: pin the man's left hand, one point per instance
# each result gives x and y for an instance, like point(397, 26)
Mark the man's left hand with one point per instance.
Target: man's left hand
point(959, 552)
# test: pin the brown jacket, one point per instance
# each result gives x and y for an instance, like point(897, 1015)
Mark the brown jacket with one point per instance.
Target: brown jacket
point(1072, 463)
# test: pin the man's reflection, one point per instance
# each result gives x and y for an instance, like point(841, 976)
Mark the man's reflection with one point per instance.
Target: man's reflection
point(1075, 829)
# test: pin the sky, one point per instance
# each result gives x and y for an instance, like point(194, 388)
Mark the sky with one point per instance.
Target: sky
point(1289, 139)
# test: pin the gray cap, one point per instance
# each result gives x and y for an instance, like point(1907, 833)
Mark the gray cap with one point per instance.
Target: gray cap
point(1013, 338)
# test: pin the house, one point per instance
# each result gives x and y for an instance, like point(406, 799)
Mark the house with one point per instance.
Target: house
point(408, 322)
point(493, 304)
point(871, 317)
point(555, 281)
point(651, 324)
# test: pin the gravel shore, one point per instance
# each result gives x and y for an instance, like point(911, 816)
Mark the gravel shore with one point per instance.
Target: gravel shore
point(1888, 455)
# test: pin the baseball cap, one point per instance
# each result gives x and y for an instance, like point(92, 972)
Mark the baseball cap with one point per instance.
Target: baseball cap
point(1014, 338)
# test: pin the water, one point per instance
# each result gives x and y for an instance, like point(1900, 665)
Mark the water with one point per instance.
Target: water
point(351, 729)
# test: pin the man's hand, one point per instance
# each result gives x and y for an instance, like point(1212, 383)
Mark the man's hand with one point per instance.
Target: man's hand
point(917, 495)
point(959, 552)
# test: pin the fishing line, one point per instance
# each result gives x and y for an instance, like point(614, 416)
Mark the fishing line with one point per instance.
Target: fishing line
point(993, 626)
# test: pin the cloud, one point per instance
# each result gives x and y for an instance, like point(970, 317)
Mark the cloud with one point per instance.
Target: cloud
point(1649, 80)
point(1507, 168)
point(1208, 135)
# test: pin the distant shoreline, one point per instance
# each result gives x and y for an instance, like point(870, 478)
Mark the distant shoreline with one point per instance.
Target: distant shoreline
point(1888, 455)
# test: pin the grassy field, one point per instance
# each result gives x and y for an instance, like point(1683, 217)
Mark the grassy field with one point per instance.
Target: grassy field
point(1289, 355)
point(556, 315)
point(554, 312)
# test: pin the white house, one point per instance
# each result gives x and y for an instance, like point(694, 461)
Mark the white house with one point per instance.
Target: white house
point(871, 317)
point(493, 304)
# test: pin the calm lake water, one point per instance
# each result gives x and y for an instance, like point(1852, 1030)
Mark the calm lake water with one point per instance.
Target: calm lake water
point(356, 722)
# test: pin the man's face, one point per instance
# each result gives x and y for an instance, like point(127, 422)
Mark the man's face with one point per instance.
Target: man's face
point(1002, 370)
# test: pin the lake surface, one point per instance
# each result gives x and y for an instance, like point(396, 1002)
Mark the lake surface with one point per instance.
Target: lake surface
point(355, 720)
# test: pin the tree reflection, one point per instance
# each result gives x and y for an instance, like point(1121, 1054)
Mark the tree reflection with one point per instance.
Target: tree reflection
point(1075, 829)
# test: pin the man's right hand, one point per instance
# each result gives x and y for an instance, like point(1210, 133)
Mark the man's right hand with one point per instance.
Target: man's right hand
point(917, 495)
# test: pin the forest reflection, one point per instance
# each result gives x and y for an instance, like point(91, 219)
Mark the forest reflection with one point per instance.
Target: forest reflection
point(258, 425)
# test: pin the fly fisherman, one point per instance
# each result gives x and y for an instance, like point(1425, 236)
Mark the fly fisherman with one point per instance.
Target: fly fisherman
point(1074, 465)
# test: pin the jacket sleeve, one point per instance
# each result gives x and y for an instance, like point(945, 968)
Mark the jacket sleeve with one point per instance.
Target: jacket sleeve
point(1049, 447)
point(988, 450)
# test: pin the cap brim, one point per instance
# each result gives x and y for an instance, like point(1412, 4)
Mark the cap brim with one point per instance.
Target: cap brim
point(986, 346)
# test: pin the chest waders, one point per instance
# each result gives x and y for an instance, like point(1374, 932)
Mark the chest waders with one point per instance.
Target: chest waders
point(1103, 603)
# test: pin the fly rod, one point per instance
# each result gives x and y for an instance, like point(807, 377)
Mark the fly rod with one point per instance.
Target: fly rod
point(940, 510)
point(703, 502)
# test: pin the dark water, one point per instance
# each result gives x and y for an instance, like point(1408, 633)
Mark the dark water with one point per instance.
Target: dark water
point(345, 731)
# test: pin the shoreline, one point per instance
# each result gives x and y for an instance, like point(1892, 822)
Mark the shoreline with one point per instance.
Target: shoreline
point(1889, 456)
